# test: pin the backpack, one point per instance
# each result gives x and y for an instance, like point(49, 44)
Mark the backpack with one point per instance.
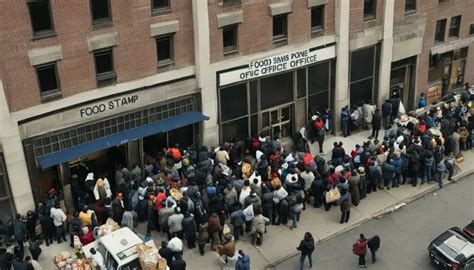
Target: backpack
point(359, 248)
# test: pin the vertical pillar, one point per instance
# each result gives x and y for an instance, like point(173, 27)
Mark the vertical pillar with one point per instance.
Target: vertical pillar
point(342, 62)
point(206, 78)
point(386, 53)
point(14, 158)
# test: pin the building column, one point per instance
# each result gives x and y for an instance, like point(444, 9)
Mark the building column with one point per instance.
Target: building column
point(342, 62)
point(205, 77)
point(386, 53)
point(14, 158)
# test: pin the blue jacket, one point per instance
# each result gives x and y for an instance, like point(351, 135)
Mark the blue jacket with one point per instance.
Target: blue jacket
point(243, 263)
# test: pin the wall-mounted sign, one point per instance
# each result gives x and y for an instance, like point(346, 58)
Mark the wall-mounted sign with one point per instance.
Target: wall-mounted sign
point(434, 93)
point(109, 105)
point(276, 64)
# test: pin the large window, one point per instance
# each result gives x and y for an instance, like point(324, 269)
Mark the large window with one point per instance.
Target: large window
point(454, 26)
point(48, 80)
point(100, 10)
point(363, 75)
point(280, 28)
point(471, 29)
point(440, 30)
point(164, 51)
point(276, 90)
point(317, 18)
point(40, 15)
point(233, 101)
point(104, 67)
point(160, 6)
point(410, 5)
point(230, 38)
point(369, 9)
point(320, 84)
point(6, 201)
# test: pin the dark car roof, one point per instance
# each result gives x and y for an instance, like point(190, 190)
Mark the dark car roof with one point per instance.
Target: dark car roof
point(455, 245)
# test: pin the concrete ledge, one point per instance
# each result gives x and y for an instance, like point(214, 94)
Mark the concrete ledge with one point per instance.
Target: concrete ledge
point(45, 55)
point(229, 18)
point(407, 48)
point(102, 41)
point(314, 3)
point(164, 28)
point(452, 45)
point(280, 8)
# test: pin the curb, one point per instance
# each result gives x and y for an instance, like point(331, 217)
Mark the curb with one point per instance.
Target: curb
point(378, 215)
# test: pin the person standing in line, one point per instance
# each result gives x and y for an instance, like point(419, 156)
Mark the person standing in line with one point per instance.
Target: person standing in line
point(58, 219)
point(20, 232)
point(422, 101)
point(306, 247)
point(345, 121)
point(376, 124)
point(345, 203)
point(360, 249)
point(386, 112)
point(374, 245)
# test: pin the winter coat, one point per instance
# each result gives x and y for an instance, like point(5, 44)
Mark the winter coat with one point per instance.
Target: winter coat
point(175, 223)
point(414, 162)
point(214, 223)
point(237, 218)
point(354, 189)
point(258, 224)
point(203, 233)
point(374, 243)
point(243, 263)
point(164, 215)
point(386, 109)
point(189, 225)
point(377, 120)
point(345, 202)
point(230, 196)
point(19, 230)
point(76, 226)
point(128, 219)
point(368, 111)
point(306, 246)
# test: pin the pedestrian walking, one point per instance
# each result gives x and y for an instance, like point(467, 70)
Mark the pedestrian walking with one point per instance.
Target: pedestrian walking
point(374, 245)
point(306, 247)
point(360, 249)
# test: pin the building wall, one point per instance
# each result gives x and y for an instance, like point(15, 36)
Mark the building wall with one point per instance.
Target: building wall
point(255, 32)
point(134, 57)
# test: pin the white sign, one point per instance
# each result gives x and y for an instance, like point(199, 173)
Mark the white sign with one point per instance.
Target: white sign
point(276, 64)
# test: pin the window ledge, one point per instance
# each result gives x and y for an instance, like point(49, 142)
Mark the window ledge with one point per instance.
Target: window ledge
point(161, 11)
point(452, 38)
point(231, 51)
point(165, 63)
point(106, 78)
point(280, 40)
point(410, 12)
point(43, 35)
point(317, 32)
point(51, 95)
point(370, 22)
point(101, 24)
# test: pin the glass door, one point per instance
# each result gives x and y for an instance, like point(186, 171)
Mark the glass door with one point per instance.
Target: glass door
point(276, 122)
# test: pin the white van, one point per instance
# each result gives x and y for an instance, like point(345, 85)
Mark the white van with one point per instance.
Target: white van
point(118, 249)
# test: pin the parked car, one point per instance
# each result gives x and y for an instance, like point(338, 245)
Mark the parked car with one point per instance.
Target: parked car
point(454, 249)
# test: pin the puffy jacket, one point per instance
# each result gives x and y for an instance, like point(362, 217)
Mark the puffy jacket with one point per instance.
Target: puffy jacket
point(345, 202)
point(237, 218)
point(189, 225)
point(175, 223)
point(306, 246)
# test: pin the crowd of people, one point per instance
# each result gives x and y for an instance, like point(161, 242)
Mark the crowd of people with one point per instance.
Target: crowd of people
point(204, 195)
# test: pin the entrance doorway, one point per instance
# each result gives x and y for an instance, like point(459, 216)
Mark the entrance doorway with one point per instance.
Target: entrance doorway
point(277, 122)
point(402, 77)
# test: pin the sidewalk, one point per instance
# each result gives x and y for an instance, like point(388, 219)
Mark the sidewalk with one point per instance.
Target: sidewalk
point(280, 243)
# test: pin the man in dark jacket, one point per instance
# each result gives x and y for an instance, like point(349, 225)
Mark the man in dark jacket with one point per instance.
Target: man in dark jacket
point(190, 229)
point(374, 244)
point(166, 252)
point(306, 247)
point(317, 190)
point(237, 220)
point(19, 231)
point(386, 112)
point(75, 228)
point(47, 226)
point(376, 124)
point(178, 264)
point(118, 208)
point(243, 262)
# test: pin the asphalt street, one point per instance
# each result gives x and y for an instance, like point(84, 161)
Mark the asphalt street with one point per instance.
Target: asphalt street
point(405, 234)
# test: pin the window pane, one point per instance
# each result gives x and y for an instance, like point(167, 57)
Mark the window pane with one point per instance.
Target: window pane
point(317, 15)
point(410, 5)
point(40, 16)
point(279, 25)
point(103, 62)
point(362, 64)
point(318, 78)
point(318, 102)
point(100, 9)
point(301, 82)
point(440, 29)
point(160, 4)
point(276, 90)
point(254, 124)
point(163, 47)
point(229, 36)
point(253, 96)
point(369, 8)
point(233, 101)
point(361, 91)
point(47, 78)
point(471, 29)
point(236, 129)
point(454, 26)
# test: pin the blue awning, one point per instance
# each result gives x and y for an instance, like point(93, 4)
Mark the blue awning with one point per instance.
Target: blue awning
point(122, 137)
